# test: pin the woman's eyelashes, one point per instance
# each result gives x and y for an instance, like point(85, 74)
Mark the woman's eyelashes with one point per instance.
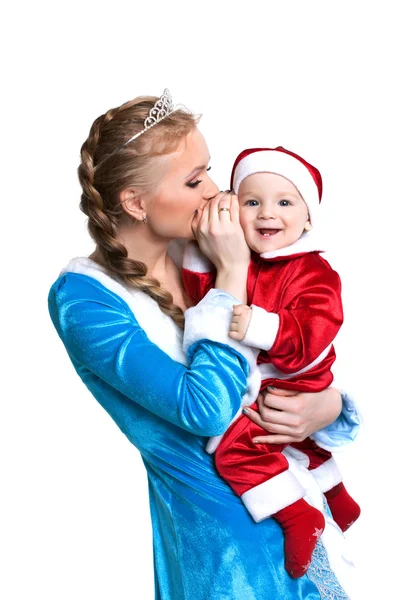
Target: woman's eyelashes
point(194, 184)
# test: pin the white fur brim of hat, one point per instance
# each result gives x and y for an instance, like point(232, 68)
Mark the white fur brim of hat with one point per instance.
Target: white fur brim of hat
point(279, 163)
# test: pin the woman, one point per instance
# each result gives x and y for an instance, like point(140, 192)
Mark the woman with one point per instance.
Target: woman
point(120, 314)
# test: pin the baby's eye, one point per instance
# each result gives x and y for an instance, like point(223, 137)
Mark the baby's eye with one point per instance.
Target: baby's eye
point(284, 203)
point(251, 203)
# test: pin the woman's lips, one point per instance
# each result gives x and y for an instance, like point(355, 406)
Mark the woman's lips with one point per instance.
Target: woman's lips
point(265, 233)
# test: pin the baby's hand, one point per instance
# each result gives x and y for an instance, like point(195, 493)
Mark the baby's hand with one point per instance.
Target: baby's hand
point(240, 321)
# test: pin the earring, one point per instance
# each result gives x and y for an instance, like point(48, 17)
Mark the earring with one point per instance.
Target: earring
point(144, 220)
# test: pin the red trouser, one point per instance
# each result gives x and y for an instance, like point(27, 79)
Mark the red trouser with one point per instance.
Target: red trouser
point(245, 465)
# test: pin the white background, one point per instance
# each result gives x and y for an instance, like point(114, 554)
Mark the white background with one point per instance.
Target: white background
point(320, 78)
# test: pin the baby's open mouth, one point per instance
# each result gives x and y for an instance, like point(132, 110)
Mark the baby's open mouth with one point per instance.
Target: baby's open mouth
point(267, 232)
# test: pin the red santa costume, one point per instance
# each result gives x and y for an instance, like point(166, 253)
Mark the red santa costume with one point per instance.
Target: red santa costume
point(296, 314)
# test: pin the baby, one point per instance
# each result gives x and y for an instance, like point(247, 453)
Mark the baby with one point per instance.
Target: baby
point(295, 314)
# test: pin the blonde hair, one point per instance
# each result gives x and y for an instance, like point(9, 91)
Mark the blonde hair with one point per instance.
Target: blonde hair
point(103, 173)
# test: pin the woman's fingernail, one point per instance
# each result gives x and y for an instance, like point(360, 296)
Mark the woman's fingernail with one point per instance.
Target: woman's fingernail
point(245, 411)
point(256, 441)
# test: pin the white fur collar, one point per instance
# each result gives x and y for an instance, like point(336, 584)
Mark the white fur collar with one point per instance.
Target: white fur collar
point(308, 242)
point(160, 328)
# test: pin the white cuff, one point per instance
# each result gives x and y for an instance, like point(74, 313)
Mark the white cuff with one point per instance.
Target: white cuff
point(210, 320)
point(195, 260)
point(327, 475)
point(262, 330)
point(267, 498)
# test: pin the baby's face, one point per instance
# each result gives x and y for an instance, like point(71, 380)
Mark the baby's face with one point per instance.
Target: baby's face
point(273, 214)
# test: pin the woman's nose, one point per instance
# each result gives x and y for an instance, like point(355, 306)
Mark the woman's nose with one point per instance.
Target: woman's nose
point(210, 190)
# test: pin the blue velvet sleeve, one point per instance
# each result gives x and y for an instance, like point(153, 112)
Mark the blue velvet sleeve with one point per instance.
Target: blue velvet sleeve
point(102, 337)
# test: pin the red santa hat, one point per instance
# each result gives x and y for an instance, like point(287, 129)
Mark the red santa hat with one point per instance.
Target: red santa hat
point(306, 178)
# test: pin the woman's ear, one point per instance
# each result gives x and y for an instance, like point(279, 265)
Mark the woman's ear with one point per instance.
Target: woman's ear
point(132, 203)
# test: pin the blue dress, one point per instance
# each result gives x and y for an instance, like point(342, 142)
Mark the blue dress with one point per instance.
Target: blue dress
point(129, 355)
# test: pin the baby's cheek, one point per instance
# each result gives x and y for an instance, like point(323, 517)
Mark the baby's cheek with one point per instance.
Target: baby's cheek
point(242, 218)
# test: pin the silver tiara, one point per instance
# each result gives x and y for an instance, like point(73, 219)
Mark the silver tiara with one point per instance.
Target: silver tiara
point(161, 109)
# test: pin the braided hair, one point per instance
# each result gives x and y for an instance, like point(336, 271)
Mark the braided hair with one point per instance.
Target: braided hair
point(103, 173)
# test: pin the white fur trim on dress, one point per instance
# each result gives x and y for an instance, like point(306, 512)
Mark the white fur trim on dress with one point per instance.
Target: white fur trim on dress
point(267, 498)
point(280, 163)
point(210, 320)
point(195, 260)
point(327, 475)
point(263, 328)
point(159, 328)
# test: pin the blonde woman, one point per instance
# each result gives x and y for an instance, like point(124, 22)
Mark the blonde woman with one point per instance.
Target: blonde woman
point(121, 314)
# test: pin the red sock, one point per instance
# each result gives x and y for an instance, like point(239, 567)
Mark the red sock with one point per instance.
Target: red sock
point(344, 509)
point(302, 525)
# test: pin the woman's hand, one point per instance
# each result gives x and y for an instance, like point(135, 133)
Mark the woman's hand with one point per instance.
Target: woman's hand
point(220, 237)
point(290, 416)
point(219, 233)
